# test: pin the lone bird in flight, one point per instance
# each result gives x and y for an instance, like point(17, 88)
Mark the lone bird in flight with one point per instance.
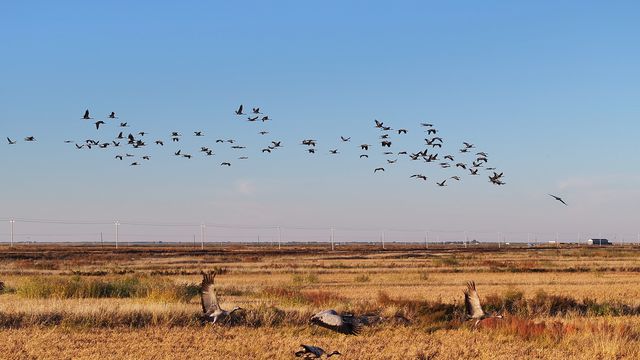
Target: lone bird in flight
point(472, 305)
point(209, 300)
point(559, 199)
point(11, 142)
point(345, 324)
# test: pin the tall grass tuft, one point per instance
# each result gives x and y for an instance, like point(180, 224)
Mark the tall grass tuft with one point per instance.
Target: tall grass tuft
point(132, 286)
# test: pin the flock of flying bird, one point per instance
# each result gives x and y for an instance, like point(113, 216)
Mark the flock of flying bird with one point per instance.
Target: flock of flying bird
point(428, 153)
point(348, 324)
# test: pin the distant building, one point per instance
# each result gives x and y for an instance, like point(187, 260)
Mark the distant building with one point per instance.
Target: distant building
point(598, 242)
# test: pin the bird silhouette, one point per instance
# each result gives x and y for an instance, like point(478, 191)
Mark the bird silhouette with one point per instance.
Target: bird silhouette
point(239, 111)
point(558, 198)
point(345, 139)
point(112, 115)
point(378, 169)
point(98, 123)
point(225, 164)
point(11, 142)
point(86, 115)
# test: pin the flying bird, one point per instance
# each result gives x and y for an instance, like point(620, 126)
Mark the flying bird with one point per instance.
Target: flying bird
point(559, 199)
point(86, 115)
point(209, 300)
point(239, 111)
point(378, 169)
point(11, 142)
point(472, 305)
point(30, 138)
point(225, 164)
point(330, 319)
point(98, 123)
point(345, 139)
point(112, 115)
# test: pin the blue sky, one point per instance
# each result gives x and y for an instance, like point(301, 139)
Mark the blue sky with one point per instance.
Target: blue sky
point(548, 89)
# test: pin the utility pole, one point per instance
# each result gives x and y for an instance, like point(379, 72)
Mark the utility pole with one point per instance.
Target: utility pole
point(466, 239)
point(557, 239)
point(499, 240)
point(117, 223)
point(332, 239)
point(382, 239)
point(202, 226)
point(279, 237)
point(101, 240)
point(12, 222)
point(426, 239)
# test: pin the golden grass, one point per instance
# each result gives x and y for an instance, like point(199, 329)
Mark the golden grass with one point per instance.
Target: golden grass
point(575, 303)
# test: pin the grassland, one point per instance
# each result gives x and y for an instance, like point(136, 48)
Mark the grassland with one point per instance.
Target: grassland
point(86, 302)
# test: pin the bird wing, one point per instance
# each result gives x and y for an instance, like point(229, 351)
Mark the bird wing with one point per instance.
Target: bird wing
point(344, 324)
point(208, 297)
point(472, 301)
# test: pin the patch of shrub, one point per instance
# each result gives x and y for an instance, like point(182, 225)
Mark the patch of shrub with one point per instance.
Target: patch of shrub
point(78, 287)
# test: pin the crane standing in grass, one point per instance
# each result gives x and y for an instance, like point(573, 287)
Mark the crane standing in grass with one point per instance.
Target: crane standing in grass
point(209, 300)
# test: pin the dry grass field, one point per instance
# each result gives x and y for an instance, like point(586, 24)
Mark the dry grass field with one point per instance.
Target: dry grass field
point(84, 302)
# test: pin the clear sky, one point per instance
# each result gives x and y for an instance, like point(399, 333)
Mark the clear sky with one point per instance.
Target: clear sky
point(549, 89)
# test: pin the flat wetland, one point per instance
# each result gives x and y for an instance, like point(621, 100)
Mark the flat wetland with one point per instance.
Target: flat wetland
point(142, 302)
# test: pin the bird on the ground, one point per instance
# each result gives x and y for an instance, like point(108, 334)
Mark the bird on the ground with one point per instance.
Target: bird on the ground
point(558, 198)
point(209, 300)
point(314, 352)
point(11, 142)
point(330, 319)
point(472, 305)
